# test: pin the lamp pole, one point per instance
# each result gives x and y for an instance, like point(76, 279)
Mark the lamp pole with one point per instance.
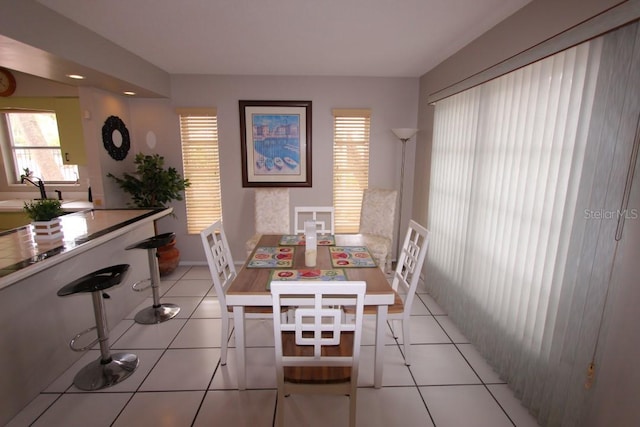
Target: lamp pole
point(403, 134)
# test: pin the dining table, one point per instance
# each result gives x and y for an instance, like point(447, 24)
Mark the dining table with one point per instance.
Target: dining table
point(264, 264)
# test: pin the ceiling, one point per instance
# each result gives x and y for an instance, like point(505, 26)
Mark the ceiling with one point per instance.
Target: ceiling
point(377, 38)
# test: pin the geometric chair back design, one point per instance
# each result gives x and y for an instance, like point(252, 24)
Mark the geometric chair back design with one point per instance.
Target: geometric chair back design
point(317, 349)
point(109, 369)
point(271, 214)
point(404, 283)
point(405, 280)
point(158, 312)
point(223, 272)
point(323, 216)
point(377, 217)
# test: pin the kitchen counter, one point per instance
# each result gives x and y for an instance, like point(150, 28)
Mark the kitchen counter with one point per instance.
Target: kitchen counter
point(16, 205)
point(12, 214)
point(21, 256)
point(36, 323)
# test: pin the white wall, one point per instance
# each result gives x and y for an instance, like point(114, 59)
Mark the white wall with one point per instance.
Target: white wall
point(97, 105)
point(393, 101)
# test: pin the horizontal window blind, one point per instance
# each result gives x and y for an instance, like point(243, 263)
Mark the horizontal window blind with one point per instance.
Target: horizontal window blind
point(201, 162)
point(350, 166)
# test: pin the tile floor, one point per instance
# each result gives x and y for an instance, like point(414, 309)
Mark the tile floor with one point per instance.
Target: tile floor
point(180, 381)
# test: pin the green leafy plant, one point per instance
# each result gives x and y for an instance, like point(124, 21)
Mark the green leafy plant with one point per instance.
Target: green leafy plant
point(152, 185)
point(43, 210)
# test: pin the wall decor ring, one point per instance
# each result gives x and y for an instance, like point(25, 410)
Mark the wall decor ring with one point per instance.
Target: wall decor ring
point(111, 125)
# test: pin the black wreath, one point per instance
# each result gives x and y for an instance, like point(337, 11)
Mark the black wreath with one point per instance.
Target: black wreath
point(114, 123)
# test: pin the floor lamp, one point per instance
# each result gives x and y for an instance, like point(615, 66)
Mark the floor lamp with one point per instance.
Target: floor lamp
point(403, 134)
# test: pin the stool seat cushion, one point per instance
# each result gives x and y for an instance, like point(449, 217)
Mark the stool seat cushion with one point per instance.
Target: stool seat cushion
point(153, 242)
point(97, 281)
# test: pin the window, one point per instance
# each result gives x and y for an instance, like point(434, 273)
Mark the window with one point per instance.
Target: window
point(517, 164)
point(350, 166)
point(33, 143)
point(201, 163)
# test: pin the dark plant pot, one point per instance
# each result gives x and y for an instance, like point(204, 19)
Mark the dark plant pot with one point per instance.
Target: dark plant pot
point(168, 258)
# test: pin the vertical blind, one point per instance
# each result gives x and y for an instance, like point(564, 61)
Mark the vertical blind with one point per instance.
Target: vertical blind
point(350, 166)
point(201, 162)
point(507, 159)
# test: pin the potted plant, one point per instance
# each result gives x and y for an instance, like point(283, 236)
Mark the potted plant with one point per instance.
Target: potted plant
point(154, 186)
point(44, 215)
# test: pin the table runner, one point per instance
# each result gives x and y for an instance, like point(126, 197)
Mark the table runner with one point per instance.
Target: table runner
point(307, 274)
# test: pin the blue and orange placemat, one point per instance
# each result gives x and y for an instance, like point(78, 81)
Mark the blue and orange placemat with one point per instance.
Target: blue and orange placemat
point(299, 239)
point(351, 256)
point(308, 274)
point(272, 257)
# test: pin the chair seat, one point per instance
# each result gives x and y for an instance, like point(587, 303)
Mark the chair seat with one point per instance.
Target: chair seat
point(97, 281)
point(153, 242)
point(256, 309)
point(319, 374)
point(380, 247)
point(396, 308)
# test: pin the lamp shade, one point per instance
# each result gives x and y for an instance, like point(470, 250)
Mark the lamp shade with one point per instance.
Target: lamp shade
point(404, 133)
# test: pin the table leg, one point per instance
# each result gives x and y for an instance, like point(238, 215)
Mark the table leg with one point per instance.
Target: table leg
point(238, 324)
point(381, 324)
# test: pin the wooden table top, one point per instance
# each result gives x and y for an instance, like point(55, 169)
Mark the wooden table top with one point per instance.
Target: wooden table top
point(253, 281)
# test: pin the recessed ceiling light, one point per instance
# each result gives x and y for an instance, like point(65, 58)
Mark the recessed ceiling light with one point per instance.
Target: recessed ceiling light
point(128, 92)
point(75, 76)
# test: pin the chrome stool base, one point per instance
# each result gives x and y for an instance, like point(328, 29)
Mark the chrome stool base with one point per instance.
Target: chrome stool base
point(109, 369)
point(162, 313)
point(158, 312)
point(98, 375)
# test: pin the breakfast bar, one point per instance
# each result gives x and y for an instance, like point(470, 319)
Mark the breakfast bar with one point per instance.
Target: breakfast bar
point(37, 324)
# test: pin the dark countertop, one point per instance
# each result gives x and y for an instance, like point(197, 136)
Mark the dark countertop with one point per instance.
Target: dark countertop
point(21, 255)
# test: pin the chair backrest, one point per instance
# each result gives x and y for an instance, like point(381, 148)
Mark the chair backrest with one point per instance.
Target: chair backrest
point(272, 211)
point(378, 212)
point(219, 259)
point(319, 325)
point(322, 215)
point(410, 261)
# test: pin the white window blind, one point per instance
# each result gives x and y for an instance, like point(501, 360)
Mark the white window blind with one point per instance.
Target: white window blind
point(201, 162)
point(506, 165)
point(350, 166)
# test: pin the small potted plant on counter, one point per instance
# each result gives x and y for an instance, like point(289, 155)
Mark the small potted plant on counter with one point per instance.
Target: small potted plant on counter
point(153, 186)
point(44, 215)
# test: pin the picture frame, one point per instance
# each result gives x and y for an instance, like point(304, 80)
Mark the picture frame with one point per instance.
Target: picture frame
point(275, 143)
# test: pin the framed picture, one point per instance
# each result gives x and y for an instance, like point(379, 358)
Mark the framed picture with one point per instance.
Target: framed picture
point(275, 141)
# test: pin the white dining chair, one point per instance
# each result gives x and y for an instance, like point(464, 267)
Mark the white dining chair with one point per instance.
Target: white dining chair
point(323, 216)
point(223, 272)
point(377, 217)
point(271, 214)
point(404, 283)
point(317, 350)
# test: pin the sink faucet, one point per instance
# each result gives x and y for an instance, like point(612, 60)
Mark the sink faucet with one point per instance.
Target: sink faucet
point(39, 184)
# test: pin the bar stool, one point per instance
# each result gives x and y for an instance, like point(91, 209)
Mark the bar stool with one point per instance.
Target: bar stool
point(109, 369)
point(158, 312)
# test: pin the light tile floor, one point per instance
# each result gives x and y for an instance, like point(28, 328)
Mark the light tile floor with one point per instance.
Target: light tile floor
point(180, 381)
